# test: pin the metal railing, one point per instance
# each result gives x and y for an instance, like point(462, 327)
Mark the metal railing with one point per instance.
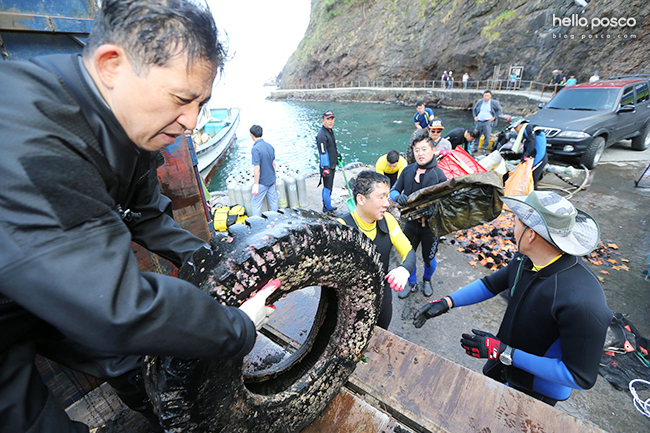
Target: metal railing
point(519, 85)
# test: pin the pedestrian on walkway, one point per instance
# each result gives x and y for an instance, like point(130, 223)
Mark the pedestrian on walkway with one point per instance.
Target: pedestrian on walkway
point(263, 156)
point(329, 157)
point(595, 77)
point(465, 80)
point(486, 113)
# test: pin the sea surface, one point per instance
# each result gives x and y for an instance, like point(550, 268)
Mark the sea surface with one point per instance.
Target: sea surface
point(363, 131)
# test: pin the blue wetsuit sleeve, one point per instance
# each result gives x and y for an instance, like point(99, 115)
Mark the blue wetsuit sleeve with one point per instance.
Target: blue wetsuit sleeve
point(549, 369)
point(473, 293)
point(325, 160)
point(397, 188)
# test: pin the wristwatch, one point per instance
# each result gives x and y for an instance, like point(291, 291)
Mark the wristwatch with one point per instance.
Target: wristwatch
point(506, 357)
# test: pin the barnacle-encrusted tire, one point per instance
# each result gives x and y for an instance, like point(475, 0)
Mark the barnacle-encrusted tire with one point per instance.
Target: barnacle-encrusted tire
point(302, 249)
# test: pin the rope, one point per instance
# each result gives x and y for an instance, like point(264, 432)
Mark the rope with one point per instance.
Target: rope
point(642, 406)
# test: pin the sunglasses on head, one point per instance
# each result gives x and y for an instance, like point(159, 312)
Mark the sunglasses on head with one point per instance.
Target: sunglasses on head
point(436, 131)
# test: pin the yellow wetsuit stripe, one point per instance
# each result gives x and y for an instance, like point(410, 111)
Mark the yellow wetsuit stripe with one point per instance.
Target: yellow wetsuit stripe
point(539, 268)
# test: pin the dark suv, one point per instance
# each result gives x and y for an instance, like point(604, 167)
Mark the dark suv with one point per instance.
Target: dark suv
point(584, 119)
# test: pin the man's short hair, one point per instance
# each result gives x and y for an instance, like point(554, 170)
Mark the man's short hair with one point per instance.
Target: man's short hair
point(153, 32)
point(392, 157)
point(474, 132)
point(256, 131)
point(419, 104)
point(366, 181)
point(487, 91)
point(423, 135)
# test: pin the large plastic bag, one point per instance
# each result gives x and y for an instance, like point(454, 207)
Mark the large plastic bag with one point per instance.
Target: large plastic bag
point(458, 203)
point(520, 181)
point(494, 161)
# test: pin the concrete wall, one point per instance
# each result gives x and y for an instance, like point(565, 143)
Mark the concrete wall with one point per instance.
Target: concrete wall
point(519, 103)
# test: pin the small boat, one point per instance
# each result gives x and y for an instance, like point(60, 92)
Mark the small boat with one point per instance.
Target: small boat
point(214, 135)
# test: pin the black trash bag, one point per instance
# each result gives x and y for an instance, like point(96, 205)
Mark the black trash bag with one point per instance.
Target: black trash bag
point(457, 204)
point(625, 354)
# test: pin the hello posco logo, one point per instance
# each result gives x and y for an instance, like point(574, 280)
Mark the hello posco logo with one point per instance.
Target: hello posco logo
point(577, 21)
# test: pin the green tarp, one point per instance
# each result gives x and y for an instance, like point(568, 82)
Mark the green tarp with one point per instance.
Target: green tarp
point(459, 203)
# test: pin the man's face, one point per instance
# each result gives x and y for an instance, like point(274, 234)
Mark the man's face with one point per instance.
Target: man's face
point(328, 122)
point(162, 104)
point(435, 133)
point(519, 231)
point(374, 207)
point(393, 165)
point(487, 97)
point(423, 152)
point(469, 137)
point(420, 109)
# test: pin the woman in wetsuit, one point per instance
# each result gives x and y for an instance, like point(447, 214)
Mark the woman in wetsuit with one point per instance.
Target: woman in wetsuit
point(422, 173)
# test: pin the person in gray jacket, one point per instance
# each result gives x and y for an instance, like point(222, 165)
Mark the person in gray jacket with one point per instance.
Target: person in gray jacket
point(486, 114)
point(81, 141)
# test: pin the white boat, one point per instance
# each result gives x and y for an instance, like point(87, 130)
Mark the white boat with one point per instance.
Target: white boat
point(214, 135)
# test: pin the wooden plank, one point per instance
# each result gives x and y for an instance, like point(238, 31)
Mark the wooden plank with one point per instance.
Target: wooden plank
point(348, 413)
point(431, 394)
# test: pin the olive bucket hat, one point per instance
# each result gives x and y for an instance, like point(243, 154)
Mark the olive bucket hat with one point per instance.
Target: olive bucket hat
point(555, 219)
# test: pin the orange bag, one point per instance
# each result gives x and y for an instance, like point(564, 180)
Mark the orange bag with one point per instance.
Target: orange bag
point(520, 181)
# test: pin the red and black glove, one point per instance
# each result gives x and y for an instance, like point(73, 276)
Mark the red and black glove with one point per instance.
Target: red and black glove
point(482, 345)
point(325, 171)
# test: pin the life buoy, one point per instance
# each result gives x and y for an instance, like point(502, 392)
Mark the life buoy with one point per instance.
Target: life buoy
point(302, 249)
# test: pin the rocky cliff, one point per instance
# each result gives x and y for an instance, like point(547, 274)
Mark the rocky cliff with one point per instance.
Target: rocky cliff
point(369, 40)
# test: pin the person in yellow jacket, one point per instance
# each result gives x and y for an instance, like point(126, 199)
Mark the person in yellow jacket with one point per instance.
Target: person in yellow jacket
point(391, 165)
point(372, 219)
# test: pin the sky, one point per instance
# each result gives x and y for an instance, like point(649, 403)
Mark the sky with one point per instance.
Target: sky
point(262, 36)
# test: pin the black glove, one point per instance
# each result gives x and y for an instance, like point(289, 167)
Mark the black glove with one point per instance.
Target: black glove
point(402, 199)
point(325, 171)
point(429, 311)
point(482, 345)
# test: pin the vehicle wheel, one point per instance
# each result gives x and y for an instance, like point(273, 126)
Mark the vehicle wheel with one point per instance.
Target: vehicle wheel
point(642, 142)
point(593, 153)
point(302, 249)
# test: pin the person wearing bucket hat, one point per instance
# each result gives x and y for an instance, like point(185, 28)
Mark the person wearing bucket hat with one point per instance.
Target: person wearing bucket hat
point(370, 217)
point(329, 157)
point(551, 337)
point(422, 173)
point(435, 128)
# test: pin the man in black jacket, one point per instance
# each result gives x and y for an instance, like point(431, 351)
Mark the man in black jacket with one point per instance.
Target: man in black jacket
point(81, 137)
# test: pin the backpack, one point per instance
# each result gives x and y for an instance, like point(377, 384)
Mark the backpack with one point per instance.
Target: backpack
point(225, 216)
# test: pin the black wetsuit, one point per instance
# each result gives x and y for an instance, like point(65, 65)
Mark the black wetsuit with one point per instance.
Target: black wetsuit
point(384, 240)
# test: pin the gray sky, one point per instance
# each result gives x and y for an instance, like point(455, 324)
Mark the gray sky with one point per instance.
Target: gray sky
point(263, 34)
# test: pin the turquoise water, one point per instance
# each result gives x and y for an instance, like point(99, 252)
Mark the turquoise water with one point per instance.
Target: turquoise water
point(364, 132)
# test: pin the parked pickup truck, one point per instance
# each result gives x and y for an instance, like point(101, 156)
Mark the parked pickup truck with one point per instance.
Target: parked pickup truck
point(583, 120)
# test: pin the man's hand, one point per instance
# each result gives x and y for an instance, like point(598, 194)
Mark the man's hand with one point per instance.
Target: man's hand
point(482, 345)
point(402, 199)
point(256, 189)
point(397, 278)
point(256, 307)
point(429, 311)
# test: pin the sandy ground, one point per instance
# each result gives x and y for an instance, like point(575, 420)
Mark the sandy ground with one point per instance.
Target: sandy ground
point(623, 213)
